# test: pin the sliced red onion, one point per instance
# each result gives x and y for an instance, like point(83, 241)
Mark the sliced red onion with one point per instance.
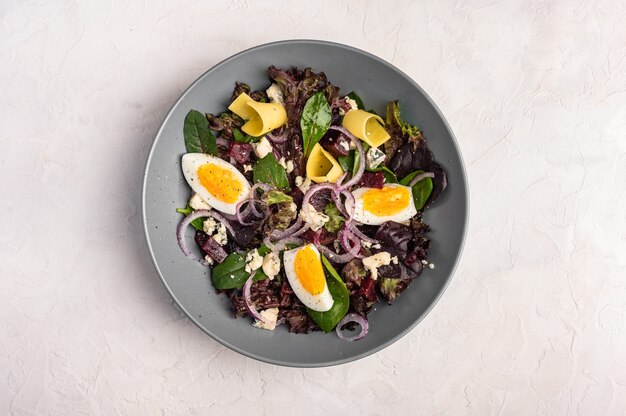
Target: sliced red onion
point(312, 191)
point(345, 238)
point(260, 185)
point(277, 235)
point(247, 299)
point(282, 245)
point(182, 227)
point(359, 147)
point(353, 317)
point(301, 231)
point(277, 139)
point(334, 257)
point(421, 176)
point(340, 206)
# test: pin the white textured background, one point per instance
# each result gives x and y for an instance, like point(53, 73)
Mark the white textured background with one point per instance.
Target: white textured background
point(534, 321)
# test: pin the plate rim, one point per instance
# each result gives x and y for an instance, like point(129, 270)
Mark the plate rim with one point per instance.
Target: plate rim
point(338, 361)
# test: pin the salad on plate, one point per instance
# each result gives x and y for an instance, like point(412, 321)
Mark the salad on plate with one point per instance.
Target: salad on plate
point(307, 205)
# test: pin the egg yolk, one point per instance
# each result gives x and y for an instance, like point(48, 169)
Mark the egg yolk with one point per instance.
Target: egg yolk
point(222, 183)
point(308, 267)
point(386, 201)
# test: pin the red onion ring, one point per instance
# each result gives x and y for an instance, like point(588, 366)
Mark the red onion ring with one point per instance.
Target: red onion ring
point(282, 245)
point(334, 257)
point(182, 227)
point(345, 238)
point(289, 231)
point(277, 139)
point(247, 299)
point(353, 317)
point(421, 176)
point(357, 142)
point(340, 206)
point(312, 191)
point(362, 236)
point(222, 142)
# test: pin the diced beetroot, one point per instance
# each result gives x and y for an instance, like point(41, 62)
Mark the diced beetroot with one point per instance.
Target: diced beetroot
point(240, 151)
point(297, 196)
point(335, 143)
point(368, 289)
point(210, 246)
point(372, 180)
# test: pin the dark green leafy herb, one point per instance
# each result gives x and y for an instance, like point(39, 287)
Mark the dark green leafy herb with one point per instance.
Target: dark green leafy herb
point(357, 158)
point(335, 219)
point(357, 99)
point(244, 138)
point(390, 177)
point(346, 162)
point(421, 190)
point(232, 274)
point(341, 297)
point(394, 120)
point(198, 137)
point(315, 120)
point(275, 197)
point(197, 223)
point(267, 170)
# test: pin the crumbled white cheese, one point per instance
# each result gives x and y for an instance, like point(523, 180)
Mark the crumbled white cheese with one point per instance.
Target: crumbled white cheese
point(208, 259)
point(376, 245)
point(424, 262)
point(271, 318)
point(374, 157)
point(275, 94)
point(366, 244)
point(337, 245)
point(372, 263)
point(253, 261)
point(431, 266)
point(287, 164)
point(394, 259)
point(247, 168)
point(351, 102)
point(209, 226)
point(220, 236)
point(271, 265)
point(316, 220)
point(196, 202)
point(303, 183)
point(262, 148)
point(345, 145)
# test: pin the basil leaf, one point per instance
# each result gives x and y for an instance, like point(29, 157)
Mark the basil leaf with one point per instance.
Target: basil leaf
point(198, 137)
point(357, 99)
point(197, 223)
point(232, 274)
point(341, 297)
point(421, 190)
point(315, 120)
point(390, 177)
point(244, 138)
point(267, 170)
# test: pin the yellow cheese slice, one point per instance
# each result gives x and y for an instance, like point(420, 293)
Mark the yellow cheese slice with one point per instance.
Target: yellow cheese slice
point(241, 108)
point(366, 126)
point(322, 166)
point(262, 117)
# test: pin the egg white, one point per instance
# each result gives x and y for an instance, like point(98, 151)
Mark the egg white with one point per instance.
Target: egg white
point(190, 164)
point(366, 217)
point(321, 302)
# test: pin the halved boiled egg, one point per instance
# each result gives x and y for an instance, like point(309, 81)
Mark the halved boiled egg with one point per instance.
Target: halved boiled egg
point(373, 206)
point(216, 181)
point(305, 273)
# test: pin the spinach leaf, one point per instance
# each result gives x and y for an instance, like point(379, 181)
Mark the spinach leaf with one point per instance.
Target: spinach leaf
point(335, 219)
point(341, 297)
point(198, 137)
point(267, 170)
point(315, 120)
point(421, 190)
point(346, 162)
point(232, 274)
point(197, 223)
point(357, 99)
point(244, 138)
point(390, 177)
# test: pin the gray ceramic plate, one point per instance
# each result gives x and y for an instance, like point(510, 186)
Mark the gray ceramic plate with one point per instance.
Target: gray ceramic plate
point(377, 82)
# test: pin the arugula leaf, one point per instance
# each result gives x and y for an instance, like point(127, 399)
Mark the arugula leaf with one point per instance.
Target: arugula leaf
point(357, 99)
point(198, 137)
point(244, 138)
point(275, 197)
point(390, 177)
point(197, 223)
point(421, 190)
point(315, 120)
point(335, 219)
point(393, 119)
point(267, 170)
point(232, 274)
point(341, 297)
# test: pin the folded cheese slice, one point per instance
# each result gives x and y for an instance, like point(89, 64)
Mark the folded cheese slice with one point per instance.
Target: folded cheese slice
point(366, 126)
point(322, 166)
point(261, 117)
